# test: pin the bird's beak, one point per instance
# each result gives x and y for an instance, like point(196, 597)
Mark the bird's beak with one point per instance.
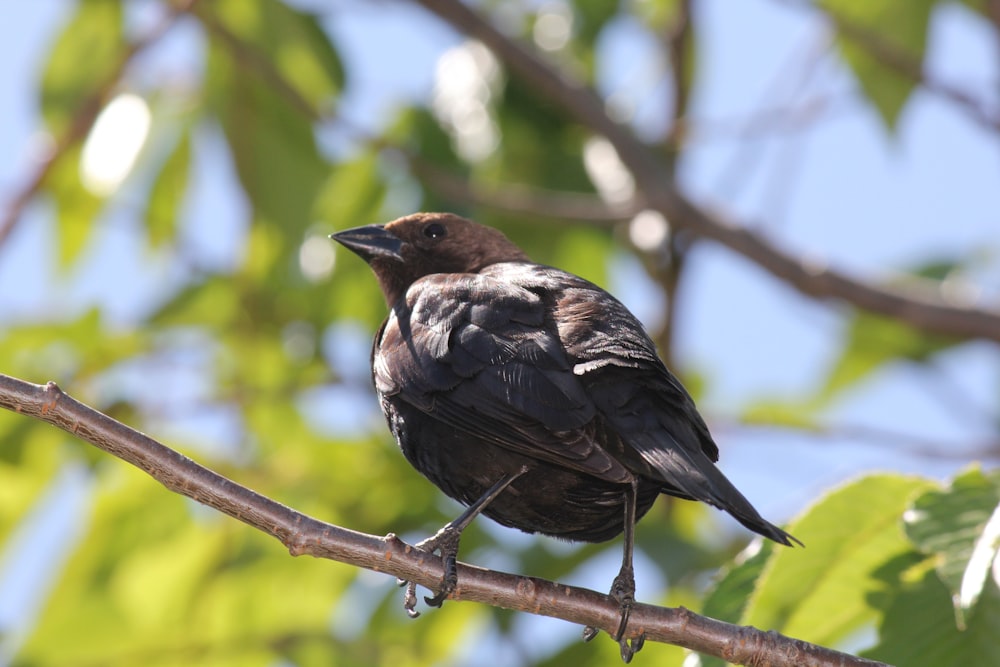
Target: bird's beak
point(371, 241)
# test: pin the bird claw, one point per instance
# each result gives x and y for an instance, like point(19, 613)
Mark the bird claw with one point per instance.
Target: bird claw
point(630, 648)
point(623, 591)
point(448, 581)
point(445, 543)
point(409, 598)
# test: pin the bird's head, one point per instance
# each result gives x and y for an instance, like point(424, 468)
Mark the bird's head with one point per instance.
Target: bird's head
point(422, 244)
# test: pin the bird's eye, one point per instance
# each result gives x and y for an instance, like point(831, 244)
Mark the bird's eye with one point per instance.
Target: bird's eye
point(435, 230)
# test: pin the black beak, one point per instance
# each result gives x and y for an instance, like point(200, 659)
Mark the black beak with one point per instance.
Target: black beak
point(371, 241)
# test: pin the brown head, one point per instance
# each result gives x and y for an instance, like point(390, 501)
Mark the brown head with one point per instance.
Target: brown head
point(421, 244)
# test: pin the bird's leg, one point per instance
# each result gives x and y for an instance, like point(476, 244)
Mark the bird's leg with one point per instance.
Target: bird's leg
point(445, 542)
point(623, 587)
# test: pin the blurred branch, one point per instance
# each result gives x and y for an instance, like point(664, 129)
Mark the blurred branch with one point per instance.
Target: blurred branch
point(924, 309)
point(83, 120)
point(303, 535)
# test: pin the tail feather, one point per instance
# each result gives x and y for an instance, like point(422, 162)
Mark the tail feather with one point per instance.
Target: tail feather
point(690, 474)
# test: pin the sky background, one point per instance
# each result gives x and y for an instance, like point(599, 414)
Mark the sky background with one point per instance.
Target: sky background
point(839, 188)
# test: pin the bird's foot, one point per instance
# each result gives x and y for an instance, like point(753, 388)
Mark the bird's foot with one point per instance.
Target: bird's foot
point(445, 543)
point(623, 591)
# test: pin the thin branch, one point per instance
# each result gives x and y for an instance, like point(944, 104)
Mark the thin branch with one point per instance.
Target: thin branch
point(304, 535)
point(82, 121)
point(927, 310)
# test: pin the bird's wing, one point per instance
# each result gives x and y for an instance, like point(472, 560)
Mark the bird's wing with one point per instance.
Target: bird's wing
point(481, 354)
point(662, 435)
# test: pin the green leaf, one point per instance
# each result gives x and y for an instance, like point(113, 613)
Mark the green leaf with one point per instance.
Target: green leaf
point(167, 194)
point(822, 593)
point(887, 63)
point(918, 628)
point(85, 54)
point(949, 524)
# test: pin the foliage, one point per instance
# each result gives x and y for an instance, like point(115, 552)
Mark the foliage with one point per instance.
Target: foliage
point(256, 364)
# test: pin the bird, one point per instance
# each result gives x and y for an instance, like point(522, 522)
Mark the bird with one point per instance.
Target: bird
point(531, 396)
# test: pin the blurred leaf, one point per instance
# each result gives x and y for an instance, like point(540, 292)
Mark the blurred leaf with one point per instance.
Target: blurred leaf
point(949, 524)
point(83, 346)
point(352, 194)
point(729, 596)
point(175, 591)
point(81, 60)
point(269, 133)
point(290, 40)
point(77, 209)
point(165, 199)
point(794, 414)
point(873, 340)
point(29, 460)
point(822, 593)
point(869, 49)
point(213, 303)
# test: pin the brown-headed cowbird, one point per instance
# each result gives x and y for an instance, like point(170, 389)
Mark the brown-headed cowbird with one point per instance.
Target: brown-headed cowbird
point(530, 395)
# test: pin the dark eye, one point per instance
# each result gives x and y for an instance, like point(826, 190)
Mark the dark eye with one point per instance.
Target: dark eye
point(435, 230)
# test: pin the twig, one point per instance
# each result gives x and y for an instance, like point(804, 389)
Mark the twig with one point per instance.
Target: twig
point(926, 310)
point(82, 121)
point(304, 535)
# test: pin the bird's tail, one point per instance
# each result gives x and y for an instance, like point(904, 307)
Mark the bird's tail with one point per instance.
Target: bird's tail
point(692, 475)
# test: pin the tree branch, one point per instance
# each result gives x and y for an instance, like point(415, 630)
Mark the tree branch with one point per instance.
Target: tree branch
point(304, 535)
point(927, 310)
